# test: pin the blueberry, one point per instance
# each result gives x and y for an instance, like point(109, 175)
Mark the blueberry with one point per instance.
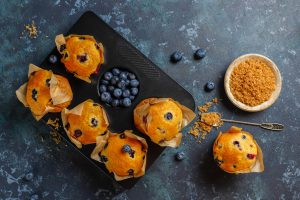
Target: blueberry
point(52, 59)
point(29, 176)
point(134, 83)
point(115, 103)
point(126, 148)
point(114, 80)
point(131, 76)
point(127, 82)
point(105, 97)
point(126, 93)
point(102, 88)
point(111, 88)
point(132, 98)
point(115, 71)
point(126, 102)
point(168, 116)
point(34, 197)
point(176, 56)
point(122, 84)
point(104, 82)
point(209, 86)
point(123, 75)
point(108, 76)
point(134, 91)
point(200, 53)
point(117, 92)
point(180, 156)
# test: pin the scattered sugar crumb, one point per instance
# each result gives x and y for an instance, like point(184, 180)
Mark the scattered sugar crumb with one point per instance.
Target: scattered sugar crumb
point(54, 123)
point(31, 30)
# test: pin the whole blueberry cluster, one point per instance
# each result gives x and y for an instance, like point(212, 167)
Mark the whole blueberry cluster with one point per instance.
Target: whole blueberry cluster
point(118, 88)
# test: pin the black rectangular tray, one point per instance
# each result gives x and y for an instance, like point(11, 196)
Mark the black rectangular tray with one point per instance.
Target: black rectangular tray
point(118, 53)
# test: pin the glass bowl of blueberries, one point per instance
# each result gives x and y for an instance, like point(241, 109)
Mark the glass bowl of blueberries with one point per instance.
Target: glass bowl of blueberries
point(118, 87)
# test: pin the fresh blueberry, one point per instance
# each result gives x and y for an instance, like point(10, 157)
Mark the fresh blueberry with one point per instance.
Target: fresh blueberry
point(200, 53)
point(180, 156)
point(111, 88)
point(52, 59)
point(115, 71)
point(123, 75)
point(131, 76)
point(115, 103)
point(127, 82)
point(114, 80)
point(176, 56)
point(104, 82)
point(117, 92)
point(122, 84)
point(126, 93)
point(209, 86)
point(105, 97)
point(108, 76)
point(29, 176)
point(134, 83)
point(126, 148)
point(102, 88)
point(134, 91)
point(132, 98)
point(126, 102)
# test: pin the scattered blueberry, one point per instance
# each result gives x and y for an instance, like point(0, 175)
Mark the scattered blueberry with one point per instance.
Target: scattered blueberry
point(108, 76)
point(104, 82)
point(200, 53)
point(102, 88)
point(134, 83)
point(111, 88)
point(176, 56)
point(106, 97)
point(180, 156)
point(134, 91)
point(126, 93)
point(126, 102)
point(115, 71)
point(209, 86)
point(131, 76)
point(123, 75)
point(52, 59)
point(126, 148)
point(122, 84)
point(115, 103)
point(114, 80)
point(29, 176)
point(117, 92)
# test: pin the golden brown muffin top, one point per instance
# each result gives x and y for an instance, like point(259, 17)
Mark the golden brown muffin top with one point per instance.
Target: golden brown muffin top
point(235, 150)
point(87, 126)
point(122, 160)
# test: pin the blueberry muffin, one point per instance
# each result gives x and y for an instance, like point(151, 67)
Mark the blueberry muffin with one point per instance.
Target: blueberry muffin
point(162, 120)
point(235, 151)
point(123, 154)
point(85, 123)
point(81, 54)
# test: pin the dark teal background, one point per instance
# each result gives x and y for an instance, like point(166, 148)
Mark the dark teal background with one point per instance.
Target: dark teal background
point(226, 29)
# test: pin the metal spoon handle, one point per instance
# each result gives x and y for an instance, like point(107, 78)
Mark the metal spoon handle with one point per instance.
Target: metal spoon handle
point(240, 122)
point(269, 126)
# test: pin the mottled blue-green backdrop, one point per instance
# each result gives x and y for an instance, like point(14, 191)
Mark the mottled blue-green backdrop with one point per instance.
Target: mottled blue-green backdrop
point(226, 29)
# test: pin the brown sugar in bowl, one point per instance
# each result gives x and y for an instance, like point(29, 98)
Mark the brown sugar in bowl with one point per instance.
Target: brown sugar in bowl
point(273, 96)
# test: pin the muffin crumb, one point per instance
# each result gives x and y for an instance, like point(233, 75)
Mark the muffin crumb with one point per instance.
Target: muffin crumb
point(31, 30)
point(54, 123)
point(55, 137)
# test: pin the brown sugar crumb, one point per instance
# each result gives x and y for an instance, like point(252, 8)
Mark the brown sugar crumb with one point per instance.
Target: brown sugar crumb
point(252, 82)
point(31, 30)
point(55, 137)
point(54, 123)
point(204, 125)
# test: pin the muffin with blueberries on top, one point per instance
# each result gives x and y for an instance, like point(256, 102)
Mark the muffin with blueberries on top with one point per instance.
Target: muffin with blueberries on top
point(123, 154)
point(82, 55)
point(162, 119)
point(85, 123)
point(236, 151)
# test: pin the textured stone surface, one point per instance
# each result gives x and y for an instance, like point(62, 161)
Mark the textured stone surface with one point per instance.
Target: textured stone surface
point(157, 28)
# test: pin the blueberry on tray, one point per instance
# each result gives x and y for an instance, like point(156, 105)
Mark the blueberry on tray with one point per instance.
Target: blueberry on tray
point(118, 87)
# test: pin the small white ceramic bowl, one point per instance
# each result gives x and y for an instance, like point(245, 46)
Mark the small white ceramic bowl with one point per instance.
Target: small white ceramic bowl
point(265, 104)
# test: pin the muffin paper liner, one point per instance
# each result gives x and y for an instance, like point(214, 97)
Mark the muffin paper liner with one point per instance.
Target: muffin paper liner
point(143, 108)
point(258, 165)
point(103, 140)
point(61, 40)
point(58, 94)
point(77, 111)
